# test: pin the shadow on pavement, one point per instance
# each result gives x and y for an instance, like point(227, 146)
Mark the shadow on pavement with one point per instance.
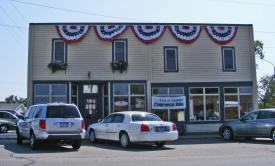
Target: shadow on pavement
point(262, 141)
point(140, 147)
point(13, 147)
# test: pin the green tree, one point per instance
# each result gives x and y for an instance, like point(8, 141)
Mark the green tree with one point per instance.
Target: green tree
point(259, 48)
point(15, 99)
point(266, 92)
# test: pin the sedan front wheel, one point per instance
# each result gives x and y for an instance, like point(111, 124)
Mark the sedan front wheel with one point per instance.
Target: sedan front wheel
point(227, 134)
point(92, 137)
point(273, 135)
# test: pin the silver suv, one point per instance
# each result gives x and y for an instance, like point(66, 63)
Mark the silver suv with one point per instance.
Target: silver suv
point(56, 123)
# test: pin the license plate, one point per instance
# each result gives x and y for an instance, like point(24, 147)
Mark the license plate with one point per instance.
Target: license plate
point(64, 124)
point(161, 129)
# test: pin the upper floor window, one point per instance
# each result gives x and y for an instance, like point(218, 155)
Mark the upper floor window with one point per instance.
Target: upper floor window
point(120, 50)
point(59, 51)
point(170, 59)
point(228, 58)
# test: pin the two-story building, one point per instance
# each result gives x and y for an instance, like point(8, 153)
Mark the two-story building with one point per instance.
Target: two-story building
point(197, 75)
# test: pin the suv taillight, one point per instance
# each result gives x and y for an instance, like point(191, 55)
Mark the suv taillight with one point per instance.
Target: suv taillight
point(174, 127)
point(144, 128)
point(42, 124)
point(83, 125)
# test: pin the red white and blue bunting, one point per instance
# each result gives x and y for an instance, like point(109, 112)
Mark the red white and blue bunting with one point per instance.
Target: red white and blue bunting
point(148, 33)
point(221, 34)
point(185, 33)
point(109, 32)
point(72, 33)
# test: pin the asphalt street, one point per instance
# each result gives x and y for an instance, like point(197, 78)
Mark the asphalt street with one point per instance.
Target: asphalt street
point(212, 152)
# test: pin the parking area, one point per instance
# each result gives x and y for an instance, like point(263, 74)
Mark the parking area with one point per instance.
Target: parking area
point(197, 152)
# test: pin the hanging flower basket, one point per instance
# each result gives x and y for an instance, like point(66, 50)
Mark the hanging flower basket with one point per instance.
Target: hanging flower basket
point(54, 66)
point(119, 65)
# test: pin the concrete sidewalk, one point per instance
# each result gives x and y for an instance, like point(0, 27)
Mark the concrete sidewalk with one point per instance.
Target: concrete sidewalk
point(12, 135)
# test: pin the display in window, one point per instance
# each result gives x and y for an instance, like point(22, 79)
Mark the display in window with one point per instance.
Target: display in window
point(137, 104)
point(121, 103)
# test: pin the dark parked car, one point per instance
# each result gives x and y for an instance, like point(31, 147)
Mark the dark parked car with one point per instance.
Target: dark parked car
point(16, 113)
point(259, 123)
point(7, 121)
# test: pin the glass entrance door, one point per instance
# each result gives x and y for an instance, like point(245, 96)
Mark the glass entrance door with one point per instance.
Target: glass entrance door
point(90, 109)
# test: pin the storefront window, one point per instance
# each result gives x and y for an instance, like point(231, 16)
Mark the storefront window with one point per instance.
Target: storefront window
point(49, 93)
point(169, 114)
point(163, 114)
point(204, 104)
point(129, 97)
point(237, 102)
point(212, 108)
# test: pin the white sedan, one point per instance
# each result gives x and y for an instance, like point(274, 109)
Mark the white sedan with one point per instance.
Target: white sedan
point(130, 127)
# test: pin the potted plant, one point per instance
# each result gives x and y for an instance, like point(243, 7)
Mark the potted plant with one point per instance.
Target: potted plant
point(119, 65)
point(58, 65)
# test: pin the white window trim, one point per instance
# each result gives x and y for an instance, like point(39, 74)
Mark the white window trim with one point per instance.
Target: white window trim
point(238, 94)
point(129, 95)
point(169, 95)
point(204, 95)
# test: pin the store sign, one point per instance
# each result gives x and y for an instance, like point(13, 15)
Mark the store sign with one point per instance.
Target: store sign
point(231, 103)
point(169, 102)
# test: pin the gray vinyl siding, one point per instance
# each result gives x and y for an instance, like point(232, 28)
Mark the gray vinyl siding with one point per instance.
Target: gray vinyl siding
point(201, 61)
point(91, 54)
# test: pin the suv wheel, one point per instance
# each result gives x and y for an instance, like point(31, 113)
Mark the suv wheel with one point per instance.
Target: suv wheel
point(92, 137)
point(4, 128)
point(33, 142)
point(227, 134)
point(19, 137)
point(76, 145)
point(124, 140)
point(273, 135)
point(160, 144)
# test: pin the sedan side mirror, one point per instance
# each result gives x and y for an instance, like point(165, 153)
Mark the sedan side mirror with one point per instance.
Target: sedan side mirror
point(99, 120)
point(242, 119)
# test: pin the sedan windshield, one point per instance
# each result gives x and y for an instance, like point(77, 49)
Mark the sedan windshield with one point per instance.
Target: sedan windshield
point(145, 117)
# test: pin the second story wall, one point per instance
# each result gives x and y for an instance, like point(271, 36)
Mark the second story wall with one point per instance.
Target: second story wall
point(200, 61)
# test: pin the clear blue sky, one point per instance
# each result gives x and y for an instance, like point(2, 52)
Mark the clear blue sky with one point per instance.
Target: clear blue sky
point(15, 16)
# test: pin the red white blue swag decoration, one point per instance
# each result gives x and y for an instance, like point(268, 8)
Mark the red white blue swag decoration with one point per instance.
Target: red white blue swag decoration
point(185, 33)
point(221, 34)
point(109, 32)
point(72, 33)
point(148, 33)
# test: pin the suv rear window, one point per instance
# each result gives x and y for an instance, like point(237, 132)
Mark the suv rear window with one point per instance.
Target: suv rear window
point(145, 117)
point(62, 112)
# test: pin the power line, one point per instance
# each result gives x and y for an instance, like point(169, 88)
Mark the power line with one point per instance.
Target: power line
point(263, 32)
point(18, 11)
point(73, 11)
point(247, 3)
point(13, 26)
point(266, 61)
point(6, 13)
